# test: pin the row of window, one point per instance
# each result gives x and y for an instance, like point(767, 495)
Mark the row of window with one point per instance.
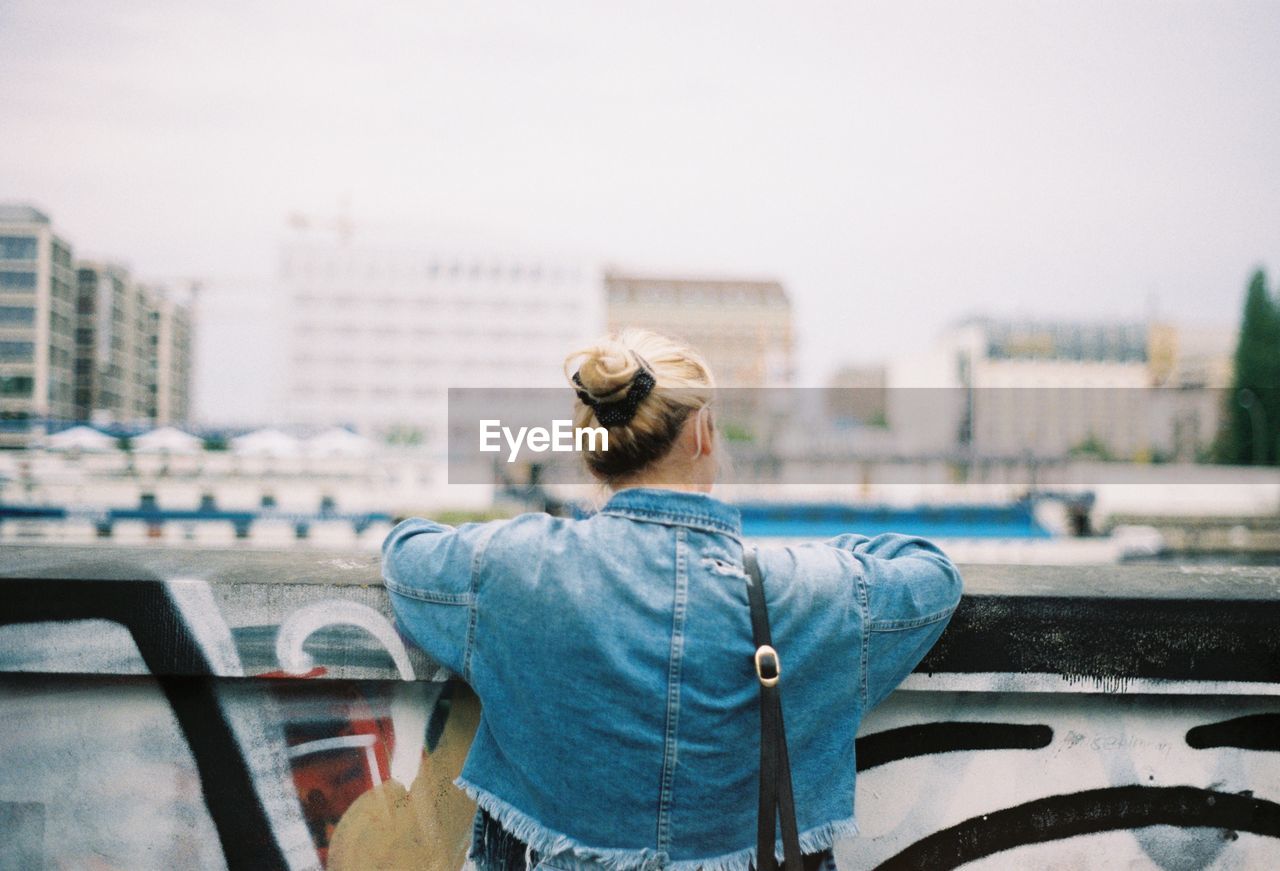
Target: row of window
point(62, 290)
point(17, 352)
point(509, 365)
point(17, 279)
point(764, 296)
point(17, 315)
point(23, 387)
point(435, 305)
point(18, 248)
point(307, 392)
point(61, 255)
point(437, 333)
point(16, 385)
point(59, 324)
point(473, 271)
point(60, 391)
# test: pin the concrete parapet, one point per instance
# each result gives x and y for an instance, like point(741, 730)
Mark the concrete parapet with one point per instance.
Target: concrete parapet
point(168, 708)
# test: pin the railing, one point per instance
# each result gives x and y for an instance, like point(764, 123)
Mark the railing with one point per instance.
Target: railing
point(186, 709)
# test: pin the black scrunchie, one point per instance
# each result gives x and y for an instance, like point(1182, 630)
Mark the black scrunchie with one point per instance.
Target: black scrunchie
point(620, 411)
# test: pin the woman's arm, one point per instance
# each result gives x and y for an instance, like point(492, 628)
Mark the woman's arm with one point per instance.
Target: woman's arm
point(910, 590)
point(430, 573)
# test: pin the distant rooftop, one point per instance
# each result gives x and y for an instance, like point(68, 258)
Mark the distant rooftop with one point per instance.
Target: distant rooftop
point(21, 213)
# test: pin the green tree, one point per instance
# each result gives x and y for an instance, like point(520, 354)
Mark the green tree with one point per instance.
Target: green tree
point(1252, 427)
point(1092, 448)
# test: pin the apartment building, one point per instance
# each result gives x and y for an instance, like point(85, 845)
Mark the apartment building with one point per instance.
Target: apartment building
point(133, 349)
point(82, 341)
point(37, 324)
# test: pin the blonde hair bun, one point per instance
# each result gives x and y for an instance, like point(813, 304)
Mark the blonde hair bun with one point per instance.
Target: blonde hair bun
point(607, 370)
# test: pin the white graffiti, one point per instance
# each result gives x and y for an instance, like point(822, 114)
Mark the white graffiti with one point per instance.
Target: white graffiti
point(299, 626)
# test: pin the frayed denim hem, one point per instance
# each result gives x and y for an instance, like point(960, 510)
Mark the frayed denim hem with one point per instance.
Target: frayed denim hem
point(813, 840)
point(553, 846)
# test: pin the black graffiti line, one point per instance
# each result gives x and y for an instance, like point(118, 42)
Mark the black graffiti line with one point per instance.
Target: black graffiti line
point(177, 661)
point(1252, 732)
point(1100, 636)
point(925, 739)
point(1085, 813)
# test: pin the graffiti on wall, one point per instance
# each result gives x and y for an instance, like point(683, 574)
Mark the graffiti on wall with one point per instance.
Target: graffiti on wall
point(1063, 780)
point(134, 741)
point(289, 770)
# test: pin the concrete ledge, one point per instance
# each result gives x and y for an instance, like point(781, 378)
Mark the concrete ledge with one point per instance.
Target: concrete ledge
point(241, 613)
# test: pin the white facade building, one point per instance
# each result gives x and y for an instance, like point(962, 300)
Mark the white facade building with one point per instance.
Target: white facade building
point(1010, 388)
point(375, 336)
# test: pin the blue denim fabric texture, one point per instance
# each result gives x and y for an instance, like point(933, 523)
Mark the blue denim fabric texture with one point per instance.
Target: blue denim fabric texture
point(612, 656)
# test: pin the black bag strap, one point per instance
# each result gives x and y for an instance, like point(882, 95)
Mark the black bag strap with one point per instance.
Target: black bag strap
point(776, 798)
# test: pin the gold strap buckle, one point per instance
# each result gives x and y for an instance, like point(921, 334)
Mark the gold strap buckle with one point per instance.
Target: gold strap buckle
point(768, 665)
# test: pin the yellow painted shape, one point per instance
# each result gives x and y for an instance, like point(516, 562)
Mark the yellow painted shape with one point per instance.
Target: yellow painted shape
point(428, 826)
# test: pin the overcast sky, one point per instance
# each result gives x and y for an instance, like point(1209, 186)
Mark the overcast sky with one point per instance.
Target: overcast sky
point(897, 166)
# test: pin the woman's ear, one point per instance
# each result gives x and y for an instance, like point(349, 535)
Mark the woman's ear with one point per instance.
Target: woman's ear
point(705, 433)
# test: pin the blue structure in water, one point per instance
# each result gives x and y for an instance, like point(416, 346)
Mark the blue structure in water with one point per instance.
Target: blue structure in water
point(827, 519)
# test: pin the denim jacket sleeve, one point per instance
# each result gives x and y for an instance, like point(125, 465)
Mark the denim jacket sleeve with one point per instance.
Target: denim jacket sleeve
point(909, 591)
point(430, 571)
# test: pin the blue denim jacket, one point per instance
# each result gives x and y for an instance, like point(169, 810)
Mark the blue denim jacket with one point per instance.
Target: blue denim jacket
point(613, 660)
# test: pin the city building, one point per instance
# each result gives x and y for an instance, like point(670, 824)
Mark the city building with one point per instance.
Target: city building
point(133, 350)
point(172, 335)
point(82, 341)
point(375, 335)
point(1193, 356)
point(1194, 366)
point(109, 345)
point(1007, 388)
point(1050, 388)
point(742, 326)
point(37, 324)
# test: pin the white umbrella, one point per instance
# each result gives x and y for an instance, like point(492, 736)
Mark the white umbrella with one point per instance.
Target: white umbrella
point(168, 439)
point(265, 443)
point(338, 442)
point(81, 438)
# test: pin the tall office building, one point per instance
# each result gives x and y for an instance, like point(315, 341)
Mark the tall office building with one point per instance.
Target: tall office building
point(742, 326)
point(133, 349)
point(172, 336)
point(37, 324)
point(375, 336)
point(108, 362)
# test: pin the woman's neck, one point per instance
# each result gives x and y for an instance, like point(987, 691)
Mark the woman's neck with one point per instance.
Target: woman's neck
point(657, 483)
